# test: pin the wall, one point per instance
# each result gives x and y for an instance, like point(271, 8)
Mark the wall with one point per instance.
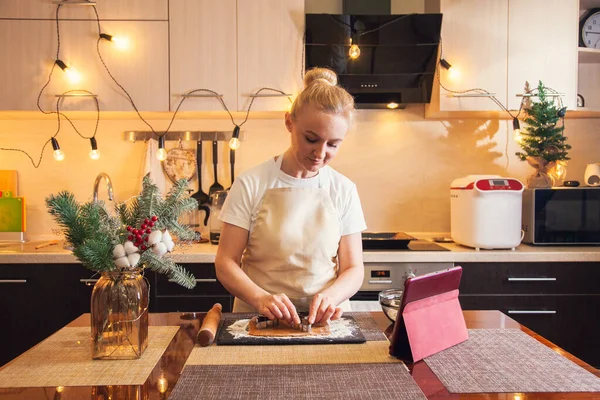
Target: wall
point(402, 164)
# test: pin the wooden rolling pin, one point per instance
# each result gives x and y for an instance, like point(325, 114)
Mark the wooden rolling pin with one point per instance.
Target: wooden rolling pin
point(209, 327)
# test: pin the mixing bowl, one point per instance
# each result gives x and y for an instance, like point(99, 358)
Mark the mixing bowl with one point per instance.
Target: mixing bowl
point(390, 302)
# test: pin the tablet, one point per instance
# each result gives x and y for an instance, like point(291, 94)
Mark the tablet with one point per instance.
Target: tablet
point(422, 286)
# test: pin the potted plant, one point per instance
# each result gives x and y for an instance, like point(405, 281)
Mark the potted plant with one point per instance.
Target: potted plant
point(120, 246)
point(543, 144)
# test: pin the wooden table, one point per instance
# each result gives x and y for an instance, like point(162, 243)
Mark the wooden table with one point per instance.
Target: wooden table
point(164, 376)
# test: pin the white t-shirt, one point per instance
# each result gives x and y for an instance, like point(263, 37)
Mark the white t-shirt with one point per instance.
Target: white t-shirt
point(245, 196)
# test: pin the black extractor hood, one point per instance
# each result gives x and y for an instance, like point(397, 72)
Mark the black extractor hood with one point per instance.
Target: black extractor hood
point(397, 61)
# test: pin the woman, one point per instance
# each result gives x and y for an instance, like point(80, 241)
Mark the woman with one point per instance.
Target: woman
point(292, 223)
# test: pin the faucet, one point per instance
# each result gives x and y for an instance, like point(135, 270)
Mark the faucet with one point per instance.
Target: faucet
point(108, 186)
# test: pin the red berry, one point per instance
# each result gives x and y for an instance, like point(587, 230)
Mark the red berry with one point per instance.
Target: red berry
point(146, 220)
point(148, 231)
point(154, 218)
point(150, 224)
point(144, 226)
point(129, 229)
point(134, 231)
point(146, 239)
point(130, 237)
point(138, 237)
point(143, 247)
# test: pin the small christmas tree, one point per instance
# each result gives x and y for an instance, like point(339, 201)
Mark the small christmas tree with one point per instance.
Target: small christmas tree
point(136, 237)
point(543, 143)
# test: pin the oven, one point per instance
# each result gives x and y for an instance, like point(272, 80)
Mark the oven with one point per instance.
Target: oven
point(388, 275)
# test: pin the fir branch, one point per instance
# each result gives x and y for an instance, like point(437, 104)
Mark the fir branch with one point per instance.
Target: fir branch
point(148, 201)
point(167, 266)
point(65, 210)
point(96, 254)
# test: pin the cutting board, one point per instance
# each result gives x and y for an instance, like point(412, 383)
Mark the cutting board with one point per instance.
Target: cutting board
point(12, 214)
point(351, 334)
point(9, 182)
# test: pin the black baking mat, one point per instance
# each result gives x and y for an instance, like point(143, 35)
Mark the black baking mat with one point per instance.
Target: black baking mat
point(224, 337)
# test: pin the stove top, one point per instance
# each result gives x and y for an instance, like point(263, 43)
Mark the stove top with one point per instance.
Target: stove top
point(397, 241)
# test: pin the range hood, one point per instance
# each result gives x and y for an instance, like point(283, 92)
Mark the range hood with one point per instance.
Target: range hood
point(398, 55)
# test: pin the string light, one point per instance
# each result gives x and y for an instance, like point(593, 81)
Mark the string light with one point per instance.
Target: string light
point(58, 153)
point(161, 154)
point(392, 105)
point(517, 131)
point(354, 51)
point(94, 152)
point(234, 142)
point(121, 42)
point(70, 71)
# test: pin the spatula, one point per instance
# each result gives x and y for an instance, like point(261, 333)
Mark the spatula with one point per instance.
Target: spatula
point(200, 196)
point(232, 165)
point(215, 156)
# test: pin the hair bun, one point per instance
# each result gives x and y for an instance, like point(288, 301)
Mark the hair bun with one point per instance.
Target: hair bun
point(324, 75)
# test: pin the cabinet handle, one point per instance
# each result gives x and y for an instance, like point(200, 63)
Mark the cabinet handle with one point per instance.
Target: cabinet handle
point(532, 279)
point(531, 311)
point(88, 281)
point(13, 280)
point(206, 280)
point(382, 282)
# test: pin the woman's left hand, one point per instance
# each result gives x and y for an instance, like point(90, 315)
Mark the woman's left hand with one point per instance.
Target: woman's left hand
point(323, 309)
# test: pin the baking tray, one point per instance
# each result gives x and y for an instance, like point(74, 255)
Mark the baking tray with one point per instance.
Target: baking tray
point(225, 338)
point(386, 240)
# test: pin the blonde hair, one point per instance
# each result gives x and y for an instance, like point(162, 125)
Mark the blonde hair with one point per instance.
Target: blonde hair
point(322, 92)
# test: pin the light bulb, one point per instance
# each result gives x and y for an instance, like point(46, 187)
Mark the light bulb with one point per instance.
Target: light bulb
point(161, 154)
point(234, 142)
point(94, 152)
point(71, 72)
point(354, 52)
point(58, 153)
point(454, 73)
point(121, 42)
point(392, 105)
point(517, 131)
point(162, 384)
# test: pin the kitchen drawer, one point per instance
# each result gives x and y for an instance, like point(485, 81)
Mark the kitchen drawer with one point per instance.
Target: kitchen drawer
point(192, 303)
point(206, 283)
point(530, 278)
point(570, 322)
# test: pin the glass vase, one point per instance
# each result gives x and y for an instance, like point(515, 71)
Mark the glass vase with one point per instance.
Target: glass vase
point(119, 309)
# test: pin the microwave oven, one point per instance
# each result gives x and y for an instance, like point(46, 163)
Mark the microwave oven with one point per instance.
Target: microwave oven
point(561, 216)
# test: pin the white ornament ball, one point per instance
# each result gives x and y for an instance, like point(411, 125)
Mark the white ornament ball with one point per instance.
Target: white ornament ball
point(134, 258)
point(154, 237)
point(130, 247)
point(122, 262)
point(160, 249)
point(119, 251)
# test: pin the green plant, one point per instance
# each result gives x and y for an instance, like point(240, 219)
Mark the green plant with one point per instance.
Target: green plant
point(542, 139)
point(98, 237)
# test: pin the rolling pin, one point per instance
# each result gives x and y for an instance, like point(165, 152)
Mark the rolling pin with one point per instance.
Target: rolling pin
point(209, 327)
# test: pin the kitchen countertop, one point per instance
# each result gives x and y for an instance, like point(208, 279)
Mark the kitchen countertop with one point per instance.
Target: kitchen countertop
point(25, 253)
point(168, 369)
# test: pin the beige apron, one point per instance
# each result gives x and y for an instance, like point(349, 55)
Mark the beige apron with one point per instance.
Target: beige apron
point(294, 242)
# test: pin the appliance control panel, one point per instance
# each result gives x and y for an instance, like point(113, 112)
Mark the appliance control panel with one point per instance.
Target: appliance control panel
point(381, 276)
point(499, 184)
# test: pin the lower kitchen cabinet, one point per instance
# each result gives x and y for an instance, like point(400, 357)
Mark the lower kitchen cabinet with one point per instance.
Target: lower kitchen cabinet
point(171, 297)
point(559, 301)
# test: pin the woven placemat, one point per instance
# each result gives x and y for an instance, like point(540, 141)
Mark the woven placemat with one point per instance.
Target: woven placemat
point(508, 361)
point(364, 320)
point(368, 352)
point(266, 382)
point(65, 359)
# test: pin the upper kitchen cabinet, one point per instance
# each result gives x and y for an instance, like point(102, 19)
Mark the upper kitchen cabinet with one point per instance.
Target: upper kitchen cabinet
point(588, 83)
point(107, 9)
point(541, 37)
point(498, 46)
point(203, 53)
point(474, 38)
point(270, 42)
point(29, 51)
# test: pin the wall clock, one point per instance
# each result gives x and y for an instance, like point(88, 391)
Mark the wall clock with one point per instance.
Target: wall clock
point(589, 29)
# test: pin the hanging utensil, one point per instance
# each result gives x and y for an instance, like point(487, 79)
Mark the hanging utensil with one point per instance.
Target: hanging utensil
point(232, 165)
point(215, 156)
point(180, 163)
point(201, 197)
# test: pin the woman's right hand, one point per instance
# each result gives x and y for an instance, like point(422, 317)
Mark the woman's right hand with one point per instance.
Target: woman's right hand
point(277, 306)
